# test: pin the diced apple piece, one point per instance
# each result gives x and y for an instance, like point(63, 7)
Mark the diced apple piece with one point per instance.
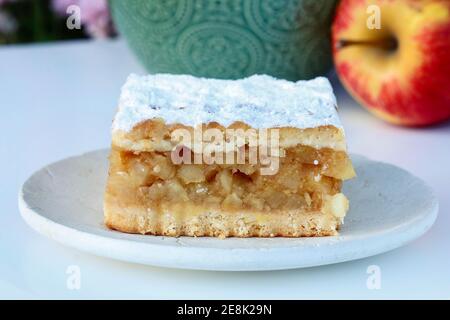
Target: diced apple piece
point(176, 192)
point(232, 201)
point(213, 200)
point(276, 199)
point(162, 167)
point(211, 172)
point(254, 203)
point(336, 205)
point(247, 169)
point(138, 173)
point(308, 199)
point(226, 180)
point(190, 173)
point(156, 191)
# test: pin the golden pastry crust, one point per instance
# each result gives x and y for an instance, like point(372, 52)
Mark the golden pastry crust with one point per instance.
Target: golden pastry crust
point(219, 224)
point(155, 135)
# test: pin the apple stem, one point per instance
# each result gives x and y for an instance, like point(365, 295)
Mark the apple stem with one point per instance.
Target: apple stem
point(390, 44)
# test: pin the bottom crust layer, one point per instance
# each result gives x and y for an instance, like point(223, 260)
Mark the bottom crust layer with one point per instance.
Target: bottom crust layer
point(218, 224)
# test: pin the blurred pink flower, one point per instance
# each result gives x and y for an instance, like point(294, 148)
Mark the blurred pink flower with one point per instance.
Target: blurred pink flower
point(5, 1)
point(8, 24)
point(60, 6)
point(94, 15)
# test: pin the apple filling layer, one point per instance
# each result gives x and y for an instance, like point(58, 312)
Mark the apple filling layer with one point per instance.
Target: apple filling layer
point(307, 181)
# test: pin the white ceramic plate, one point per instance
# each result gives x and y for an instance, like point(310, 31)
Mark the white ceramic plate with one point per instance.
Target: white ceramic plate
point(389, 208)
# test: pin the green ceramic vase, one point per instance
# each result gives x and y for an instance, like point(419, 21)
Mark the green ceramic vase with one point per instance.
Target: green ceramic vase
point(229, 39)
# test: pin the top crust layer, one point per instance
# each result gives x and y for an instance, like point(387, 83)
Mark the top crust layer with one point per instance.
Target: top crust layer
point(156, 135)
point(260, 101)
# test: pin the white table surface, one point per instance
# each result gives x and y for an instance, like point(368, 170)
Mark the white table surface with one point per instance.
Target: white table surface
point(58, 100)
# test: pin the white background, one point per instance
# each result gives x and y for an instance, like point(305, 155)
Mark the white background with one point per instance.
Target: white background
point(58, 100)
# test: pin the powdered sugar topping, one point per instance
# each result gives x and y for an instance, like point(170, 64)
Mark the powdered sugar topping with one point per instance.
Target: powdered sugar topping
point(260, 101)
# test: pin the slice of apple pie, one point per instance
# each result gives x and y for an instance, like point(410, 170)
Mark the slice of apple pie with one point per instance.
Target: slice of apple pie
point(257, 157)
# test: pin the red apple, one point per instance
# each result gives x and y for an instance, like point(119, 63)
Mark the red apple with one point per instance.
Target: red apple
point(401, 70)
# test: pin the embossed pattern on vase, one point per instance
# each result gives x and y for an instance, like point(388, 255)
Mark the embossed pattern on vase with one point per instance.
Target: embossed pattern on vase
point(229, 38)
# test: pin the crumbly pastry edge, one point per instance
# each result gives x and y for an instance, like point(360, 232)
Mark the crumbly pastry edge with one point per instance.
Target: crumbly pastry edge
point(140, 138)
point(220, 224)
